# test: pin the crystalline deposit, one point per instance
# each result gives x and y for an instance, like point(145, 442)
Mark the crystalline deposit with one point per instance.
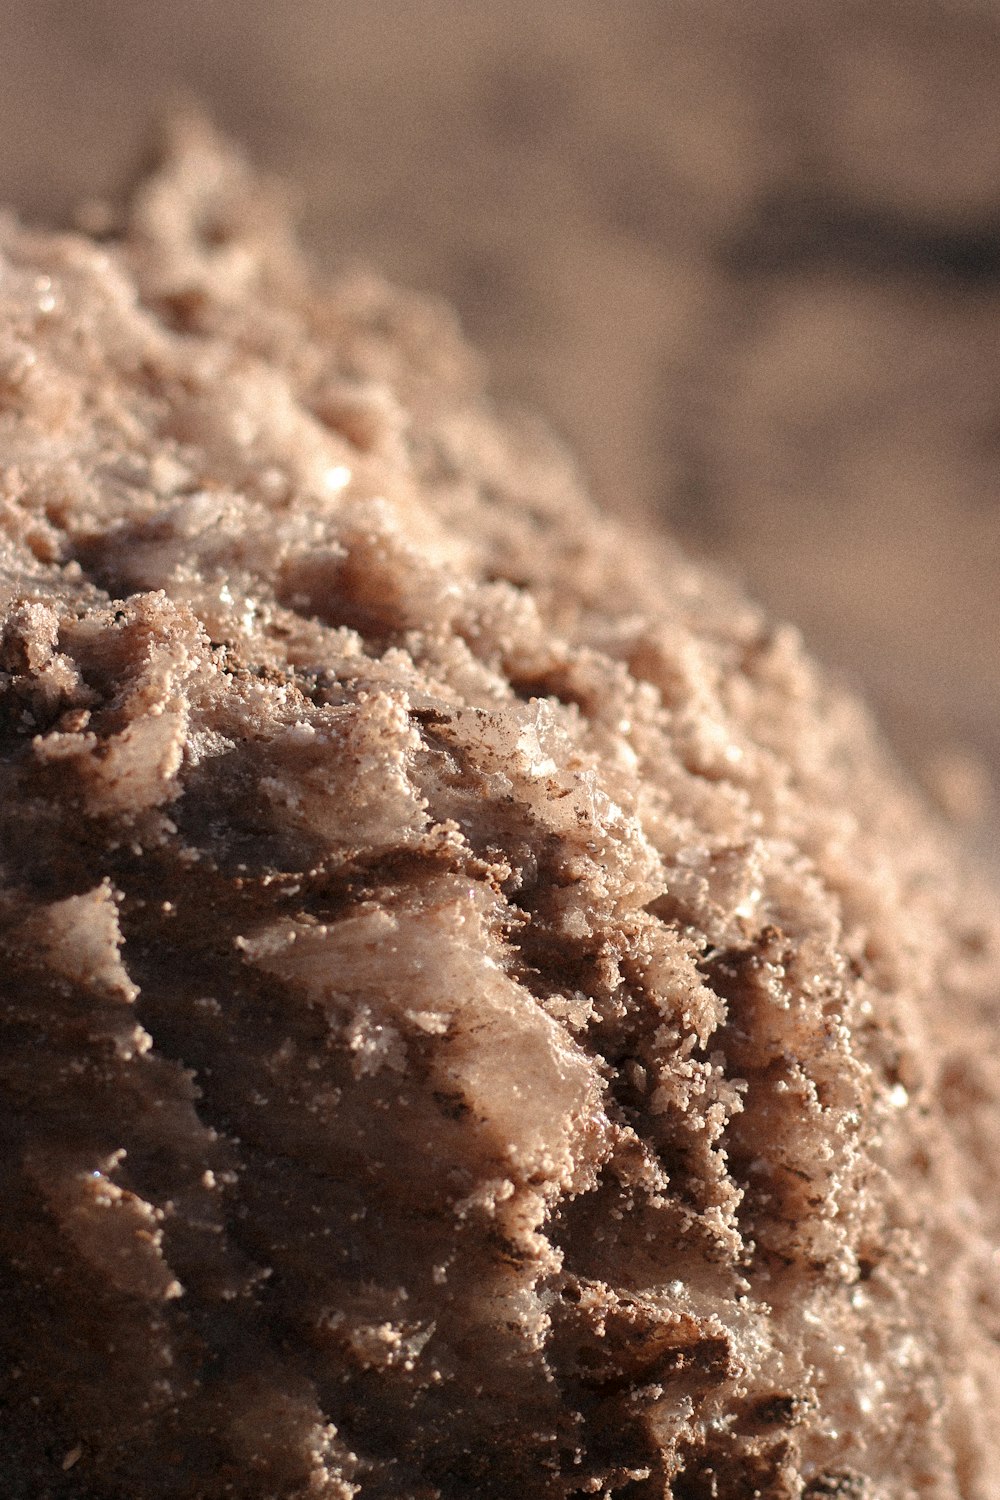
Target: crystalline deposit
point(483, 1017)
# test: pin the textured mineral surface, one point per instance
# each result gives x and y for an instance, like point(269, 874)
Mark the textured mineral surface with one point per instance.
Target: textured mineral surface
point(482, 1016)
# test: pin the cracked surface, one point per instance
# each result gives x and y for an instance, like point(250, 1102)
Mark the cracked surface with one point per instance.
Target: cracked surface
point(482, 1015)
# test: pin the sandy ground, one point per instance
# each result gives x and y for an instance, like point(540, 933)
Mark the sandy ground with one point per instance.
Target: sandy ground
point(746, 258)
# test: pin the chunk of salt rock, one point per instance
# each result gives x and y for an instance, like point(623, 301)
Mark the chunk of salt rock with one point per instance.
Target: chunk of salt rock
point(483, 1015)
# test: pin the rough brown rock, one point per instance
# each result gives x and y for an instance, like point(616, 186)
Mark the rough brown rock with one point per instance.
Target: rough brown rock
point(482, 1015)
point(642, 213)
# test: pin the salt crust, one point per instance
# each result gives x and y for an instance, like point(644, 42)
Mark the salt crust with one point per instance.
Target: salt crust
point(482, 1015)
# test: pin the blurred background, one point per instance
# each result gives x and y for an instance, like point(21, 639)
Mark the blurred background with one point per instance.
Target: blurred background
point(746, 257)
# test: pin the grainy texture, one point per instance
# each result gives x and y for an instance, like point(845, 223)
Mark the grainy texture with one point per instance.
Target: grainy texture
point(482, 1015)
point(747, 258)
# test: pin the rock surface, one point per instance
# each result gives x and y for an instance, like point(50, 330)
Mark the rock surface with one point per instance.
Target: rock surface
point(746, 259)
point(482, 1014)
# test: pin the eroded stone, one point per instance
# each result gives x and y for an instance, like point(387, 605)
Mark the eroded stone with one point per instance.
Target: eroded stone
point(483, 1014)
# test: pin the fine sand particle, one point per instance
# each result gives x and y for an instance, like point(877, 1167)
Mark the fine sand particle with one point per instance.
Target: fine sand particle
point(483, 1018)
